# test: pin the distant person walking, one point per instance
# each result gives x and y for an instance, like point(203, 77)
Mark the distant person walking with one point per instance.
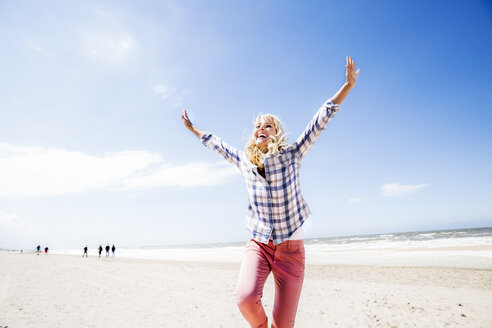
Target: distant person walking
point(107, 250)
point(100, 249)
point(38, 249)
point(85, 252)
point(46, 250)
point(113, 249)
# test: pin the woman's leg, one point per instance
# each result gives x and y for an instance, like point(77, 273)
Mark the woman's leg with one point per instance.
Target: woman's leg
point(288, 272)
point(254, 272)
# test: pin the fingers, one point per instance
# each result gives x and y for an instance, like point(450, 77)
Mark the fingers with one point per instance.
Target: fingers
point(186, 120)
point(350, 64)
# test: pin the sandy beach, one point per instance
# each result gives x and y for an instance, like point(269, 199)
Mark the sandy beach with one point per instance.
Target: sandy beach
point(71, 291)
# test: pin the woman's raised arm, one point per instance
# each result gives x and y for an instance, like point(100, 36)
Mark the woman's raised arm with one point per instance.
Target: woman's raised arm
point(351, 78)
point(213, 142)
point(320, 120)
point(187, 123)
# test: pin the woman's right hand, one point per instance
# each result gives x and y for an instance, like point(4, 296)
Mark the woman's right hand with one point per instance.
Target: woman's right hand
point(187, 123)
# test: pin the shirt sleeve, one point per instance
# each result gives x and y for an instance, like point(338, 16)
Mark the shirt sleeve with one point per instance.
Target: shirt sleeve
point(319, 122)
point(231, 154)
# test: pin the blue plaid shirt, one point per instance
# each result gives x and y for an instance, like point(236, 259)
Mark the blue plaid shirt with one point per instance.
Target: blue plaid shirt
point(276, 207)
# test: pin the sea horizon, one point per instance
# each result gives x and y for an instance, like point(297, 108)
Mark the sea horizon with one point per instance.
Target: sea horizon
point(395, 238)
point(463, 248)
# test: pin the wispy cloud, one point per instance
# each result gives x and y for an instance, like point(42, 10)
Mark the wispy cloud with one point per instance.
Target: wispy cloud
point(35, 171)
point(12, 222)
point(14, 231)
point(106, 39)
point(169, 95)
point(107, 46)
point(36, 47)
point(396, 190)
point(187, 175)
point(163, 91)
point(354, 200)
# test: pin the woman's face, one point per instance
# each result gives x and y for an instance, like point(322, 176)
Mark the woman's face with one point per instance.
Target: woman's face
point(263, 131)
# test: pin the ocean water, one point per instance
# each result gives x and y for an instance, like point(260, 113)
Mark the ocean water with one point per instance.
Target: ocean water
point(415, 239)
point(459, 248)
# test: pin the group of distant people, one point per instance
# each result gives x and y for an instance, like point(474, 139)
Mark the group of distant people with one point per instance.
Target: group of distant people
point(100, 249)
point(38, 249)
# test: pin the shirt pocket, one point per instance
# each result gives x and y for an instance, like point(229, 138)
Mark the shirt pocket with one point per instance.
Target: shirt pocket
point(284, 176)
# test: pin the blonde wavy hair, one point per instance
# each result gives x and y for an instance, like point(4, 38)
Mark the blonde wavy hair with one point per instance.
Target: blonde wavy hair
point(275, 143)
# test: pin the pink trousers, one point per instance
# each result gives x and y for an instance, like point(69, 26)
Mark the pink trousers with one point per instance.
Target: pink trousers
point(286, 261)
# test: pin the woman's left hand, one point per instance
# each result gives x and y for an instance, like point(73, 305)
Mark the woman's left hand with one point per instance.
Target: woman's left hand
point(351, 73)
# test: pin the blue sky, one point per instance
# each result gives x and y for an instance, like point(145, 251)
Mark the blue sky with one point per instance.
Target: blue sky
point(92, 149)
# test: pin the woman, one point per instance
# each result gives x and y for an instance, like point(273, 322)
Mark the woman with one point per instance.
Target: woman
point(277, 210)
